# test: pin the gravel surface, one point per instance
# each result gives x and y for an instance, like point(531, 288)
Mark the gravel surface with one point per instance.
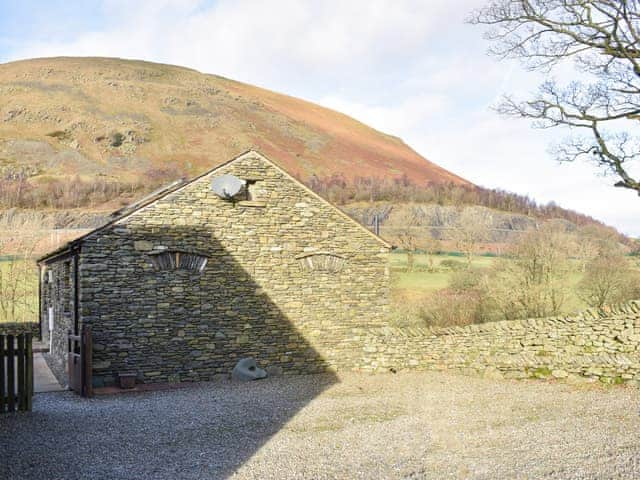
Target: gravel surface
point(415, 426)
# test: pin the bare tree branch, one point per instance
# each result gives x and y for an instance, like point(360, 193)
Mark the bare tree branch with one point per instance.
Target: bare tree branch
point(602, 38)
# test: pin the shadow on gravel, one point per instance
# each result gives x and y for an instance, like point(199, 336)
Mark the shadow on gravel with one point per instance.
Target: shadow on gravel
point(202, 431)
point(184, 326)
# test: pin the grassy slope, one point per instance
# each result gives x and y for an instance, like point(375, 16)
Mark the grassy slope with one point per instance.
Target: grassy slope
point(178, 116)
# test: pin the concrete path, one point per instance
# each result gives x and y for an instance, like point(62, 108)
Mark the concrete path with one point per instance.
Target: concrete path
point(43, 379)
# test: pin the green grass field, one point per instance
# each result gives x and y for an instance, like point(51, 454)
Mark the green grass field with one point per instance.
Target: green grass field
point(421, 281)
point(414, 286)
point(19, 291)
point(407, 287)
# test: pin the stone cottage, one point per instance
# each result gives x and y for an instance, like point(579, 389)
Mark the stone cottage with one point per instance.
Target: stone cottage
point(180, 285)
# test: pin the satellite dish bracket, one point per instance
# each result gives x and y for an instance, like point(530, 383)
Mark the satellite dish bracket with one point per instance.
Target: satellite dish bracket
point(227, 186)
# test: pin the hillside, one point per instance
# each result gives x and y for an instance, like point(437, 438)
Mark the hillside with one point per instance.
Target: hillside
point(105, 118)
point(80, 137)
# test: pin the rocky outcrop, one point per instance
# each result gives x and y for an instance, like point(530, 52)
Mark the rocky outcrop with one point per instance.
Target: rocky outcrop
point(440, 221)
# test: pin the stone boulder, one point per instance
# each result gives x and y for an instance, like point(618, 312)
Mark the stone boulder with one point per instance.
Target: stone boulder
point(247, 369)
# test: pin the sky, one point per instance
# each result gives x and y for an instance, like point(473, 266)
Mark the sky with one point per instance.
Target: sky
point(411, 68)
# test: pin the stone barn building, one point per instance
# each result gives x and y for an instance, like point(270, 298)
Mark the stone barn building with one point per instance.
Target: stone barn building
point(182, 284)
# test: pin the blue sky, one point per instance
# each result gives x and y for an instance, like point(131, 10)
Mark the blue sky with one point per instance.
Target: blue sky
point(411, 68)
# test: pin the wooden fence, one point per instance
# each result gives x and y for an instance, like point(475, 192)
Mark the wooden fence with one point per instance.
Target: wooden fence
point(16, 373)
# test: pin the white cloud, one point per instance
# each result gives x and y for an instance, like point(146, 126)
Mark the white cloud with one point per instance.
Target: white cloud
point(409, 115)
point(256, 39)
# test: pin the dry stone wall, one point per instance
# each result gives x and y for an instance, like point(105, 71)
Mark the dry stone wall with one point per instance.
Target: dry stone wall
point(17, 328)
point(599, 345)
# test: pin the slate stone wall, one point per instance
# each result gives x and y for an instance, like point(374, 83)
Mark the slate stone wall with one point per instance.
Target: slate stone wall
point(283, 267)
point(595, 345)
point(57, 292)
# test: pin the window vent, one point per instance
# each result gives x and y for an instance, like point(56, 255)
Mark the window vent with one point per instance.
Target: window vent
point(178, 261)
point(320, 261)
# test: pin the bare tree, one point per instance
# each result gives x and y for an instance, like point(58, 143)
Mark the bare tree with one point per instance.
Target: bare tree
point(602, 38)
point(608, 279)
point(470, 229)
point(18, 283)
point(431, 247)
point(585, 246)
point(19, 240)
point(407, 234)
point(532, 282)
point(592, 241)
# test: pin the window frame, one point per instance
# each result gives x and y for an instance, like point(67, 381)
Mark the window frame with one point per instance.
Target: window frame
point(178, 260)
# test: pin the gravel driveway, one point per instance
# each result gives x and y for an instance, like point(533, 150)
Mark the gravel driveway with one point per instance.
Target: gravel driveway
point(418, 425)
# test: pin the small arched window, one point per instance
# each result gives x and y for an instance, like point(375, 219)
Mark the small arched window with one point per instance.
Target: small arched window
point(321, 261)
point(176, 260)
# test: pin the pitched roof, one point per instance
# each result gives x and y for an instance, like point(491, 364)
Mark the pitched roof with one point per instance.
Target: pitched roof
point(180, 184)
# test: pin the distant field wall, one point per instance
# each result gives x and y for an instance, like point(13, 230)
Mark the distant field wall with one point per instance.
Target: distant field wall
point(441, 221)
point(494, 235)
point(20, 327)
point(595, 345)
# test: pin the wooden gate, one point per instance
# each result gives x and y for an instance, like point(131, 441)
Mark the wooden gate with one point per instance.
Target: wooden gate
point(79, 362)
point(16, 373)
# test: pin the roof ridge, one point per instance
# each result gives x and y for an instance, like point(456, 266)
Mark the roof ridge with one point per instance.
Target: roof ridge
point(179, 184)
point(159, 192)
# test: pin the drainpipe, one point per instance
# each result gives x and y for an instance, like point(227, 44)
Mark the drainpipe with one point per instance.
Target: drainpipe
point(39, 302)
point(76, 290)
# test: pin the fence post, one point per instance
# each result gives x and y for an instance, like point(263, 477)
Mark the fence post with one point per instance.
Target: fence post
point(2, 379)
point(21, 358)
point(29, 375)
point(87, 374)
point(16, 372)
point(11, 374)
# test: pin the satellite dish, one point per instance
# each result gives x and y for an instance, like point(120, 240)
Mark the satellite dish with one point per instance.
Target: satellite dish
point(227, 186)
